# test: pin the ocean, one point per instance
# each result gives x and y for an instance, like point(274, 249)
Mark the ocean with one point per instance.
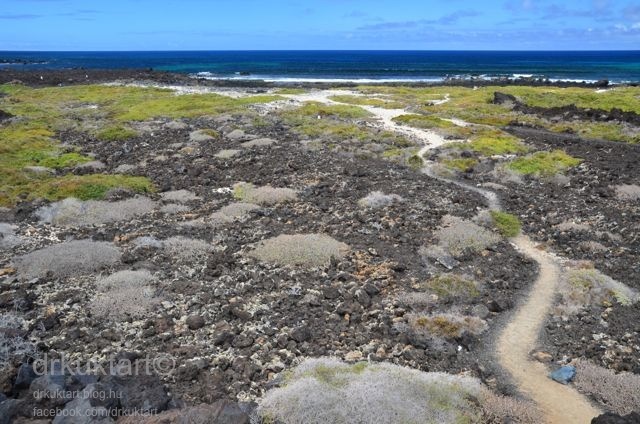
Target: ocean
point(350, 66)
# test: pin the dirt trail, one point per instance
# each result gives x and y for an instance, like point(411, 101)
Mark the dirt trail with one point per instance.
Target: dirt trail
point(560, 404)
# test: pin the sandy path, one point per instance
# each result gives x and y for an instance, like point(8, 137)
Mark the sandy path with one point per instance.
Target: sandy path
point(560, 404)
point(429, 139)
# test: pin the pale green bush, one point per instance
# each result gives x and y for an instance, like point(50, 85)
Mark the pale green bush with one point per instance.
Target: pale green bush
point(66, 259)
point(73, 212)
point(326, 390)
point(266, 195)
point(300, 249)
point(588, 286)
point(457, 234)
point(184, 249)
point(618, 392)
point(377, 199)
point(125, 294)
point(233, 212)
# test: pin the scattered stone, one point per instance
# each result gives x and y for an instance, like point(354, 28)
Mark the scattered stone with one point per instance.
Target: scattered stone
point(195, 322)
point(353, 356)
point(40, 170)
point(179, 196)
point(259, 142)
point(199, 136)
point(92, 167)
point(564, 374)
point(125, 169)
point(542, 357)
point(227, 153)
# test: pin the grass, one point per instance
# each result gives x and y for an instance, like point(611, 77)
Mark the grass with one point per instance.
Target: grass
point(496, 142)
point(43, 112)
point(544, 163)
point(367, 101)
point(451, 286)
point(291, 91)
point(460, 164)
point(315, 109)
point(507, 224)
point(116, 133)
point(423, 121)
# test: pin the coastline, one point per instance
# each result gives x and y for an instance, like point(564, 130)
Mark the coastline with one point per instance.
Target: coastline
point(51, 77)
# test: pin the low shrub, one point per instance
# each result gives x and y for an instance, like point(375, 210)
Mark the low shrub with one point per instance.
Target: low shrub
point(125, 294)
point(184, 249)
point(330, 391)
point(544, 163)
point(619, 393)
point(377, 199)
point(457, 234)
point(8, 238)
point(451, 286)
point(116, 133)
point(179, 196)
point(507, 224)
point(588, 286)
point(460, 164)
point(326, 390)
point(300, 249)
point(227, 153)
point(266, 195)
point(71, 258)
point(627, 191)
point(448, 326)
point(233, 212)
point(73, 212)
point(415, 162)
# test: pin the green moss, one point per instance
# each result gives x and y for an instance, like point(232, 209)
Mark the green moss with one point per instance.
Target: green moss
point(544, 163)
point(451, 286)
point(65, 160)
point(507, 224)
point(210, 132)
point(460, 164)
point(496, 143)
point(415, 162)
point(116, 133)
point(392, 153)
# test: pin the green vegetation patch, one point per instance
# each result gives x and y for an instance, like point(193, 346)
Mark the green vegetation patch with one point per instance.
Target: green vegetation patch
point(451, 286)
point(507, 224)
point(367, 101)
point(291, 91)
point(423, 121)
point(460, 164)
point(544, 163)
point(116, 133)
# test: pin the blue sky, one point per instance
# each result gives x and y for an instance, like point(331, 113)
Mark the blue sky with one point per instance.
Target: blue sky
point(319, 24)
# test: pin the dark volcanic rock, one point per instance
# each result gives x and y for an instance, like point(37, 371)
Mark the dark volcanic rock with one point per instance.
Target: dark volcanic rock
point(611, 418)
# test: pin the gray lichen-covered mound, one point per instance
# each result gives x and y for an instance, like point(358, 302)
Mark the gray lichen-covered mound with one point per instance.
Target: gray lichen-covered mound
point(67, 259)
point(266, 195)
point(125, 294)
point(300, 249)
point(73, 212)
point(232, 212)
point(329, 391)
point(8, 238)
point(457, 234)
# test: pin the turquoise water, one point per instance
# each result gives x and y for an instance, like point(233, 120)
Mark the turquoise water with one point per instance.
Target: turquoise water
point(617, 66)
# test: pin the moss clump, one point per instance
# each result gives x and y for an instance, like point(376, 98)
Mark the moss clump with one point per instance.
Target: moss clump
point(415, 162)
point(88, 187)
point(116, 133)
point(392, 153)
point(497, 145)
point(451, 286)
point(544, 163)
point(507, 224)
point(65, 160)
point(461, 164)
